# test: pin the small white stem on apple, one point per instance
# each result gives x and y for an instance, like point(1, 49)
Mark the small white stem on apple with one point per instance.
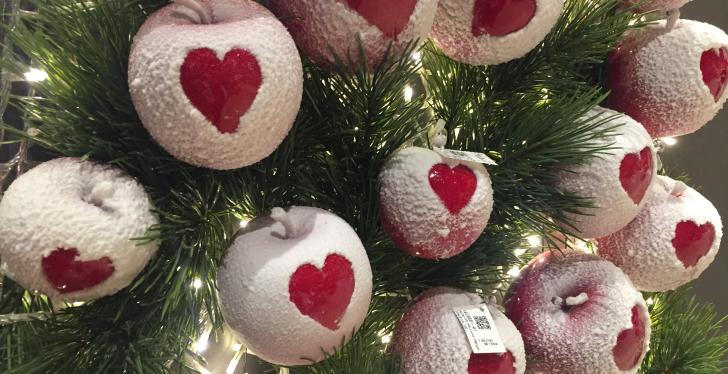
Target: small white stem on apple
point(293, 229)
point(203, 15)
point(678, 189)
point(672, 17)
point(100, 192)
point(439, 138)
point(576, 300)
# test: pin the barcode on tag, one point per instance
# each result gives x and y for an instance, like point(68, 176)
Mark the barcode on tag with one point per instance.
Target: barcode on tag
point(480, 158)
point(480, 329)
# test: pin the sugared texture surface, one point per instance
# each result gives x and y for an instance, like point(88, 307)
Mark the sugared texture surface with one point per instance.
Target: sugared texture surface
point(656, 77)
point(67, 228)
point(221, 95)
point(490, 32)
point(430, 340)
point(433, 207)
point(672, 241)
point(293, 299)
point(617, 181)
point(324, 28)
point(572, 309)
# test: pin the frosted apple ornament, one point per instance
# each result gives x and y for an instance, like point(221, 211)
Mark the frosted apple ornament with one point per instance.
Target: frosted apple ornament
point(490, 32)
point(672, 241)
point(295, 285)
point(432, 206)
point(324, 29)
point(218, 85)
point(67, 229)
point(578, 313)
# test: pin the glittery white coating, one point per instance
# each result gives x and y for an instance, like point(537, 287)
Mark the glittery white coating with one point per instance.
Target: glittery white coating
point(644, 248)
point(452, 32)
point(321, 27)
point(655, 77)
point(70, 203)
point(599, 178)
point(430, 340)
point(414, 215)
point(661, 5)
point(580, 340)
point(254, 286)
point(159, 50)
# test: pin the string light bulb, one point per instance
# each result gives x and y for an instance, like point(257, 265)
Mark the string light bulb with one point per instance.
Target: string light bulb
point(35, 75)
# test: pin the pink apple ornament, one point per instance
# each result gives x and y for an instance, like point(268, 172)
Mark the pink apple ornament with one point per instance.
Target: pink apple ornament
point(429, 338)
point(672, 241)
point(671, 81)
point(431, 206)
point(216, 83)
point(578, 313)
point(490, 32)
point(295, 285)
point(327, 28)
point(67, 229)
point(617, 181)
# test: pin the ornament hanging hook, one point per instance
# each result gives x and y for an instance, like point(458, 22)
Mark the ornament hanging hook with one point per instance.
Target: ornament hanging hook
point(202, 15)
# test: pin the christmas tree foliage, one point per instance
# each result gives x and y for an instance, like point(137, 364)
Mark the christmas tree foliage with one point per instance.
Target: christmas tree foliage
point(527, 114)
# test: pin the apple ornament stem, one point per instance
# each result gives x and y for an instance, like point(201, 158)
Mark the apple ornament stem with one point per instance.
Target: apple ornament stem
point(295, 285)
point(216, 83)
point(67, 228)
point(616, 181)
point(431, 206)
point(491, 32)
point(578, 313)
point(429, 338)
point(672, 81)
point(325, 29)
point(672, 241)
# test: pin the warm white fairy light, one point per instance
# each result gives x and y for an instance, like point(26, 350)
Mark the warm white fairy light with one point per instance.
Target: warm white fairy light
point(534, 241)
point(244, 223)
point(417, 57)
point(669, 141)
point(35, 75)
point(519, 251)
point(201, 344)
point(197, 283)
point(650, 301)
point(408, 92)
point(386, 338)
point(514, 271)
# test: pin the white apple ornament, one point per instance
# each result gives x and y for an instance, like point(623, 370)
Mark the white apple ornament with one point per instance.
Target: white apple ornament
point(217, 83)
point(578, 313)
point(67, 229)
point(296, 285)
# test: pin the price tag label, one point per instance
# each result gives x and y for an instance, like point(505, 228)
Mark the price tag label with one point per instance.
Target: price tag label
point(480, 158)
point(480, 329)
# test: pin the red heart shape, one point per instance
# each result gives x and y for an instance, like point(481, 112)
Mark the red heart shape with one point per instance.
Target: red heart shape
point(635, 173)
point(323, 294)
point(631, 342)
point(389, 16)
point(222, 91)
point(454, 186)
point(491, 363)
point(70, 275)
point(691, 242)
point(501, 17)
point(714, 65)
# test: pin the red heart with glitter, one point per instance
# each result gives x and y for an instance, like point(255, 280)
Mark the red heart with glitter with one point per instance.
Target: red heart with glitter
point(222, 91)
point(491, 363)
point(389, 16)
point(454, 186)
point(501, 17)
point(323, 294)
point(635, 174)
point(714, 65)
point(691, 242)
point(70, 275)
point(631, 342)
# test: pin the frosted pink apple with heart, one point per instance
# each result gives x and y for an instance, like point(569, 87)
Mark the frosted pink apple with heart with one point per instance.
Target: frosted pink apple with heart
point(578, 313)
point(295, 285)
point(491, 32)
point(671, 81)
point(329, 29)
point(616, 181)
point(431, 206)
point(218, 85)
point(672, 241)
point(67, 229)
point(430, 339)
